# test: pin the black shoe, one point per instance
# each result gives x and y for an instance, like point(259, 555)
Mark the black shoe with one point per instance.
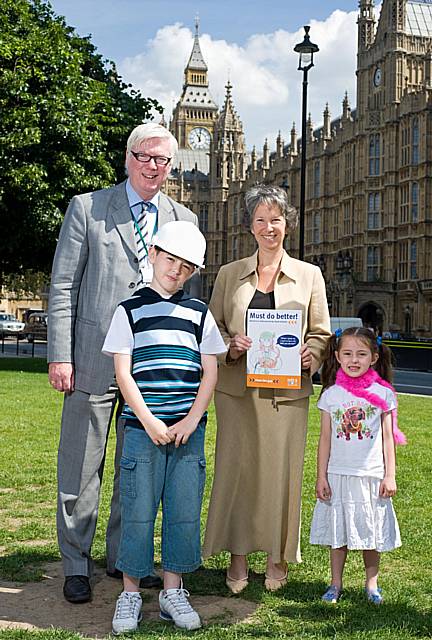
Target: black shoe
point(118, 575)
point(152, 581)
point(77, 589)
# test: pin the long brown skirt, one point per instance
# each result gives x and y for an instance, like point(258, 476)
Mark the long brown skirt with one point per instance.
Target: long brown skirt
point(255, 503)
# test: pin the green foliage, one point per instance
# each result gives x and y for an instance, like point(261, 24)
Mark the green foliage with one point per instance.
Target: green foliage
point(66, 115)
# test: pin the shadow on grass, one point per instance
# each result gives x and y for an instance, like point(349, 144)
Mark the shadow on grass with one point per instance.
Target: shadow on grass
point(209, 582)
point(354, 614)
point(27, 365)
point(26, 565)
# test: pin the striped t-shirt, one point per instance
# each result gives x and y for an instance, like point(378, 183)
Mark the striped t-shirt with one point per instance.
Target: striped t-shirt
point(166, 349)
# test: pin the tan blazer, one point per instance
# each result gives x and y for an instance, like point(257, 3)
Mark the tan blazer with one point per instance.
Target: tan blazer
point(300, 285)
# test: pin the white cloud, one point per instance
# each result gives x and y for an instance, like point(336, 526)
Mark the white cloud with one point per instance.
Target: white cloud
point(263, 72)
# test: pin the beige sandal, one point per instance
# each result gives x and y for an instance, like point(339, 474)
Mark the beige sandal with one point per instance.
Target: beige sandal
point(274, 584)
point(236, 585)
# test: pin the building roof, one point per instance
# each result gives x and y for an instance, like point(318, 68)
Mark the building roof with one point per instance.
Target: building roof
point(197, 97)
point(419, 18)
point(196, 60)
point(192, 159)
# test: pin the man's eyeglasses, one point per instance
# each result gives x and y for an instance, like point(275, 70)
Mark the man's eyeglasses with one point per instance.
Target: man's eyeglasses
point(162, 161)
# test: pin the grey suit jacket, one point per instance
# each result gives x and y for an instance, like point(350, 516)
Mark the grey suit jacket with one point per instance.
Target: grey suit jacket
point(95, 267)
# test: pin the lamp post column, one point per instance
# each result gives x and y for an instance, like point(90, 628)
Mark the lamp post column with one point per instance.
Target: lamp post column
point(306, 50)
point(303, 168)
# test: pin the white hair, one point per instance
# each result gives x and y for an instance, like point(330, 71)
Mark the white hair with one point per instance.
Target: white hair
point(151, 130)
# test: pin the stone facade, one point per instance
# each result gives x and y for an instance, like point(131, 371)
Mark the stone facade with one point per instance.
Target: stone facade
point(368, 218)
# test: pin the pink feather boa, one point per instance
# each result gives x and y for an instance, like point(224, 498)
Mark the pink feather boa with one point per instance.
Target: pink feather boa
point(359, 387)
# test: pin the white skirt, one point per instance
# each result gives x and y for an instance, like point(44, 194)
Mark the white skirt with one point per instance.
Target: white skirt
point(355, 516)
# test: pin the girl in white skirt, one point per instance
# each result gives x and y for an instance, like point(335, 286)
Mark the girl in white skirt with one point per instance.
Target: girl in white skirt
point(356, 457)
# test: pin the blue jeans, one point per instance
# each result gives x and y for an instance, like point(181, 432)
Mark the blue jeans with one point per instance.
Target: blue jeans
point(151, 474)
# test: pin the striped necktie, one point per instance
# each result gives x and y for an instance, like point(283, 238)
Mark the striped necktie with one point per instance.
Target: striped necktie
point(144, 239)
point(142, 224)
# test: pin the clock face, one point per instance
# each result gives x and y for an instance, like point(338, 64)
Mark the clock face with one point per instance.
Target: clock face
point(199, 138)
point(377, 77)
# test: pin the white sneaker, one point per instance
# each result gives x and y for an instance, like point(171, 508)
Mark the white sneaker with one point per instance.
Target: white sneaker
point(127, 614)
point(175, 607)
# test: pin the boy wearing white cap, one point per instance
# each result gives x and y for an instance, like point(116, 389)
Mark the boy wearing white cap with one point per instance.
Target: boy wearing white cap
point(164, 345)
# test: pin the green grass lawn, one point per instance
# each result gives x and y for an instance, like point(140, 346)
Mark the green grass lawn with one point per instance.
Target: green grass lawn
point(29, 429)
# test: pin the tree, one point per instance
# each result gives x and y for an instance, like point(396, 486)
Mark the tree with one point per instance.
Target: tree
point(66, 115)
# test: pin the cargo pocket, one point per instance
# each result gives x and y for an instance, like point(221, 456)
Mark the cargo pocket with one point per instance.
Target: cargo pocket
point(202, 476)
point(128, 477)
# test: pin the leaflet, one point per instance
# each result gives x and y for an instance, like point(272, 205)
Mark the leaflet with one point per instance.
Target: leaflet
point(273, 360)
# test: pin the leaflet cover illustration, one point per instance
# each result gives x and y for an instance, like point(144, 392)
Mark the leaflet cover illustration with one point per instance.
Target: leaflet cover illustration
point(273, 360)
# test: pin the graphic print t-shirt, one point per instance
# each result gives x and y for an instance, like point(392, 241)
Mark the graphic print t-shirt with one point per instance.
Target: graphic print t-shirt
point(356, 440)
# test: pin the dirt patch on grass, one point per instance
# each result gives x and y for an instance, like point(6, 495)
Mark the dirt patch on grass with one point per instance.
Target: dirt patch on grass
point(40, 605)
point(13, 524)
point(38, 543)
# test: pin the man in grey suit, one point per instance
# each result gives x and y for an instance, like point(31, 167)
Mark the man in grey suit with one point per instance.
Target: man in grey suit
point(101, 258)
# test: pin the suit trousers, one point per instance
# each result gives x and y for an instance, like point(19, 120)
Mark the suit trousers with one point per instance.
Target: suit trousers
point(86, 420)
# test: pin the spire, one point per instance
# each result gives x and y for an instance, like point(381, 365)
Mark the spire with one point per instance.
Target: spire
point(309, 127)
point(366, 24)
point(293, 144)
point(266, 155)
point(254, 159)
point(279, 145)
point(228, 119)
point(346, 109)
point(196, 60)
point(229, 146)
point(326, 127)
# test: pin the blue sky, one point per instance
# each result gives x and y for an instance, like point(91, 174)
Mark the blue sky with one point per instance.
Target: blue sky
point(248, 42)
point(121, 27)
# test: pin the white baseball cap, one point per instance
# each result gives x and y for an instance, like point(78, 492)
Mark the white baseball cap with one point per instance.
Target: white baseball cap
point(182, 239)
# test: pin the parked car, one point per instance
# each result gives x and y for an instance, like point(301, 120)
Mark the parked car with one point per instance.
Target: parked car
point(36, 327)
point(10, 326)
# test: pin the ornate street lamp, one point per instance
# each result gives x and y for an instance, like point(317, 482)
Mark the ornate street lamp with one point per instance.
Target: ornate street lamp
point(306, 50)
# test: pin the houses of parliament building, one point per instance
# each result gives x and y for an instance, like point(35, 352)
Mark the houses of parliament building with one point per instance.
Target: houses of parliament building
point(368, 214)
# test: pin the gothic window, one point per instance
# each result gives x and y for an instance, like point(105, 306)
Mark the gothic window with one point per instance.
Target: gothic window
point(317, 179)
point(203, 217)
point(234, 247)
point(347, 222)
point(413, 260)
point(347, 168)
point(316, 229)
point(374, 154)
point(236, 213)
point(414, 201)
point(405, 146)
point(373, 263)
point(403, 261)
point(374, 211)
point(353, 163)
point(404, 203)
point(415, 141)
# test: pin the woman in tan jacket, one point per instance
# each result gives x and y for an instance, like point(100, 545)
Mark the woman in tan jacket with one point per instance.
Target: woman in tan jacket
point(256, 496)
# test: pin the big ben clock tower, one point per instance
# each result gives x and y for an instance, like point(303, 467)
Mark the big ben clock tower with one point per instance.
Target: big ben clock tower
point(196, 112)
